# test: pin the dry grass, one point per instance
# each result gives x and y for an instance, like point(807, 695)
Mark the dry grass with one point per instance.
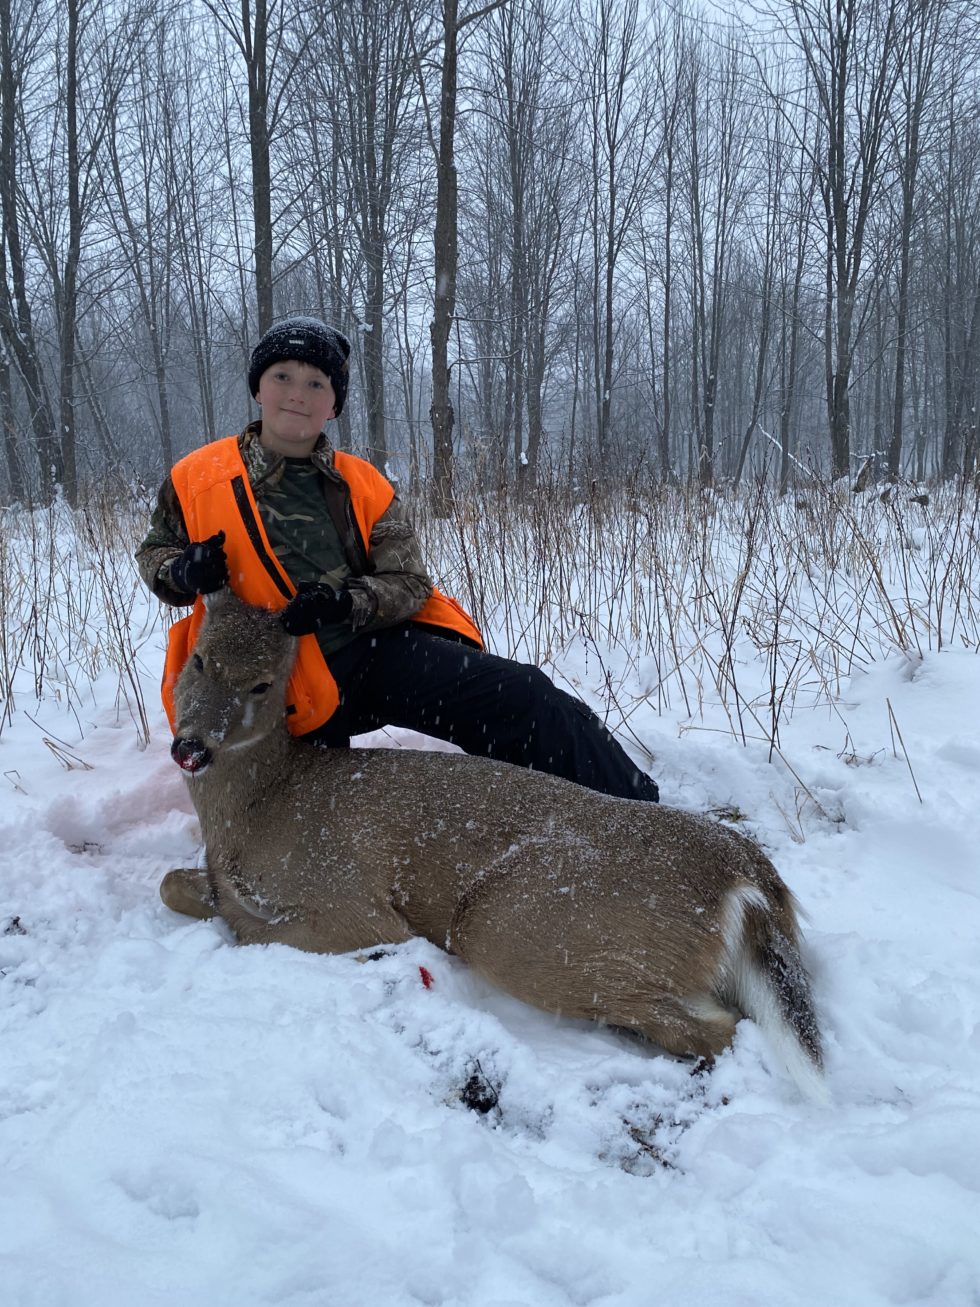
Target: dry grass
point(751, 602)
point(683, 600)
point(68, 595)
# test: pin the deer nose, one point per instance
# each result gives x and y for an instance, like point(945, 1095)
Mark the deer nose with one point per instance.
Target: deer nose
point(191, 755)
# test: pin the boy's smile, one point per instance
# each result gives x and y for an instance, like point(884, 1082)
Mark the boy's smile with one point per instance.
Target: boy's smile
point(297, 401)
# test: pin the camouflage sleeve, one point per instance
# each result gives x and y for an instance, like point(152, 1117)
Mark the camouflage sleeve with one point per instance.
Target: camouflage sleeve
point(399, 584)
point(166, 538)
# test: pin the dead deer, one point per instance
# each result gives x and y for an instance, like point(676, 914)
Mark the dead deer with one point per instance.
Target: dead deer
point(634, 914)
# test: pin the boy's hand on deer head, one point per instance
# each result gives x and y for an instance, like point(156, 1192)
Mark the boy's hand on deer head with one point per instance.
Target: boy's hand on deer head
point(315, 606)
point(202, 568)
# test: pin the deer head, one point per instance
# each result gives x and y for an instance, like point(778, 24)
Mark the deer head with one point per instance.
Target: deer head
point(231, 692)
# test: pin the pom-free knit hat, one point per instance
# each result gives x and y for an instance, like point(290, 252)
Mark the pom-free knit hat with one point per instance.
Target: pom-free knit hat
point(310, 341)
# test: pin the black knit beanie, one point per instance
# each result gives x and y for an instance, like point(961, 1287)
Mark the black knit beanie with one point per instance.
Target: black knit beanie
point(310, 341)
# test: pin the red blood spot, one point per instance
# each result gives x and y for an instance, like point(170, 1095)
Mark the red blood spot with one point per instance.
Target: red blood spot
point(426, 975)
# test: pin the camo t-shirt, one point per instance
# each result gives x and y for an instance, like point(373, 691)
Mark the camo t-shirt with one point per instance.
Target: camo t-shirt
point(304, 538)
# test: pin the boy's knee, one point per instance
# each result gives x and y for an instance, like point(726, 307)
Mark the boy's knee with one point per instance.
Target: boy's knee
point(541, 689)
point(539, 683)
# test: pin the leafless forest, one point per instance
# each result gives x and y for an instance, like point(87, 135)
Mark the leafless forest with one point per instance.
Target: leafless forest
point(575, 239)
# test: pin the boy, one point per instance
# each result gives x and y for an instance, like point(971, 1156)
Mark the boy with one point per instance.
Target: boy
point(292, 524)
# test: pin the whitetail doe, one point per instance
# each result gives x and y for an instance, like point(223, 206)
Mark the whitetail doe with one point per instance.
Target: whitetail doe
point(633, 914)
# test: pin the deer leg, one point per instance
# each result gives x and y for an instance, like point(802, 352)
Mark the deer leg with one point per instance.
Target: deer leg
point(188, 891)
point(312, 931)
point(693, 1027)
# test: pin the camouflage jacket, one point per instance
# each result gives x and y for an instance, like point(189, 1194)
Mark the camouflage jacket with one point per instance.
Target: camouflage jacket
point(389, 582)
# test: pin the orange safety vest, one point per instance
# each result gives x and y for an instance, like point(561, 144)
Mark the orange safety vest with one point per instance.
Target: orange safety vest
point(213, 489)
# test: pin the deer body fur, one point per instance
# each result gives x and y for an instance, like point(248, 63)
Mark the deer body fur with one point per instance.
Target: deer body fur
point(634, 914)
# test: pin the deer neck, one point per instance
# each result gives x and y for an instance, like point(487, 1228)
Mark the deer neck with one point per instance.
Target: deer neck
point(237, 775)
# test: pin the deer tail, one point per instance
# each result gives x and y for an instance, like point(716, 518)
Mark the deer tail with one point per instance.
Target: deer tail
point(765, 975)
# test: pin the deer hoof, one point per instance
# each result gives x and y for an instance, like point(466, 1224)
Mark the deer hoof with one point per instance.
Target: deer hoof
point(186, 890)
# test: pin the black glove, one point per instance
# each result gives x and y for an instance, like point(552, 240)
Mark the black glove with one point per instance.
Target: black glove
point(202, 568)
point(314, 607)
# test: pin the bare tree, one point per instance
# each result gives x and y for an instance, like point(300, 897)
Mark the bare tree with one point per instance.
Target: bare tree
point(377, 123)
point(16, 480)
point(141, 215)
point(271, 37)
point(325, 267)
point(792, 256)
point(616, 88)
point(202, 230)
point(770, 188)
point(958, 195)
point(657, 226)
point(853, 52)
point(250, 26)
point(20, 39)
point(528, 193)
point(716, 179)
point(925, 25)
point(483, 283)
point(445, 240)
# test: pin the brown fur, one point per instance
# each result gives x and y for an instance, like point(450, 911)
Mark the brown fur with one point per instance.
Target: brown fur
point(634, 914)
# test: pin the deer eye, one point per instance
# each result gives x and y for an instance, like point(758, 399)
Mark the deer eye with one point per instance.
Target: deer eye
point(261, 687)
point(198, 662)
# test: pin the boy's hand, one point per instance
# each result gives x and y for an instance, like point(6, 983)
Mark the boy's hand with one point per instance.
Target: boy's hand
point(202, 568)
point(314, 607)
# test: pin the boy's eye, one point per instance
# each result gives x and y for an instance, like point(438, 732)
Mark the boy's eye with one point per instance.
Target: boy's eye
point(317, 385)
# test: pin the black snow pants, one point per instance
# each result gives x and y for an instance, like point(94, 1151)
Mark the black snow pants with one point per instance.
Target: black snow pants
point(407, 676)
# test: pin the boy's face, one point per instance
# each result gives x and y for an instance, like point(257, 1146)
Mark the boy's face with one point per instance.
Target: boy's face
point(297, 401)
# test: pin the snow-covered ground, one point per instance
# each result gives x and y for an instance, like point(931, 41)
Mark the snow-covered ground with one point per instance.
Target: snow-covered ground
point(183, 1121)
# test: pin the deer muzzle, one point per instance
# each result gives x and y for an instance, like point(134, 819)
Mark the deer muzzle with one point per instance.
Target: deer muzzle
point(190, 755)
